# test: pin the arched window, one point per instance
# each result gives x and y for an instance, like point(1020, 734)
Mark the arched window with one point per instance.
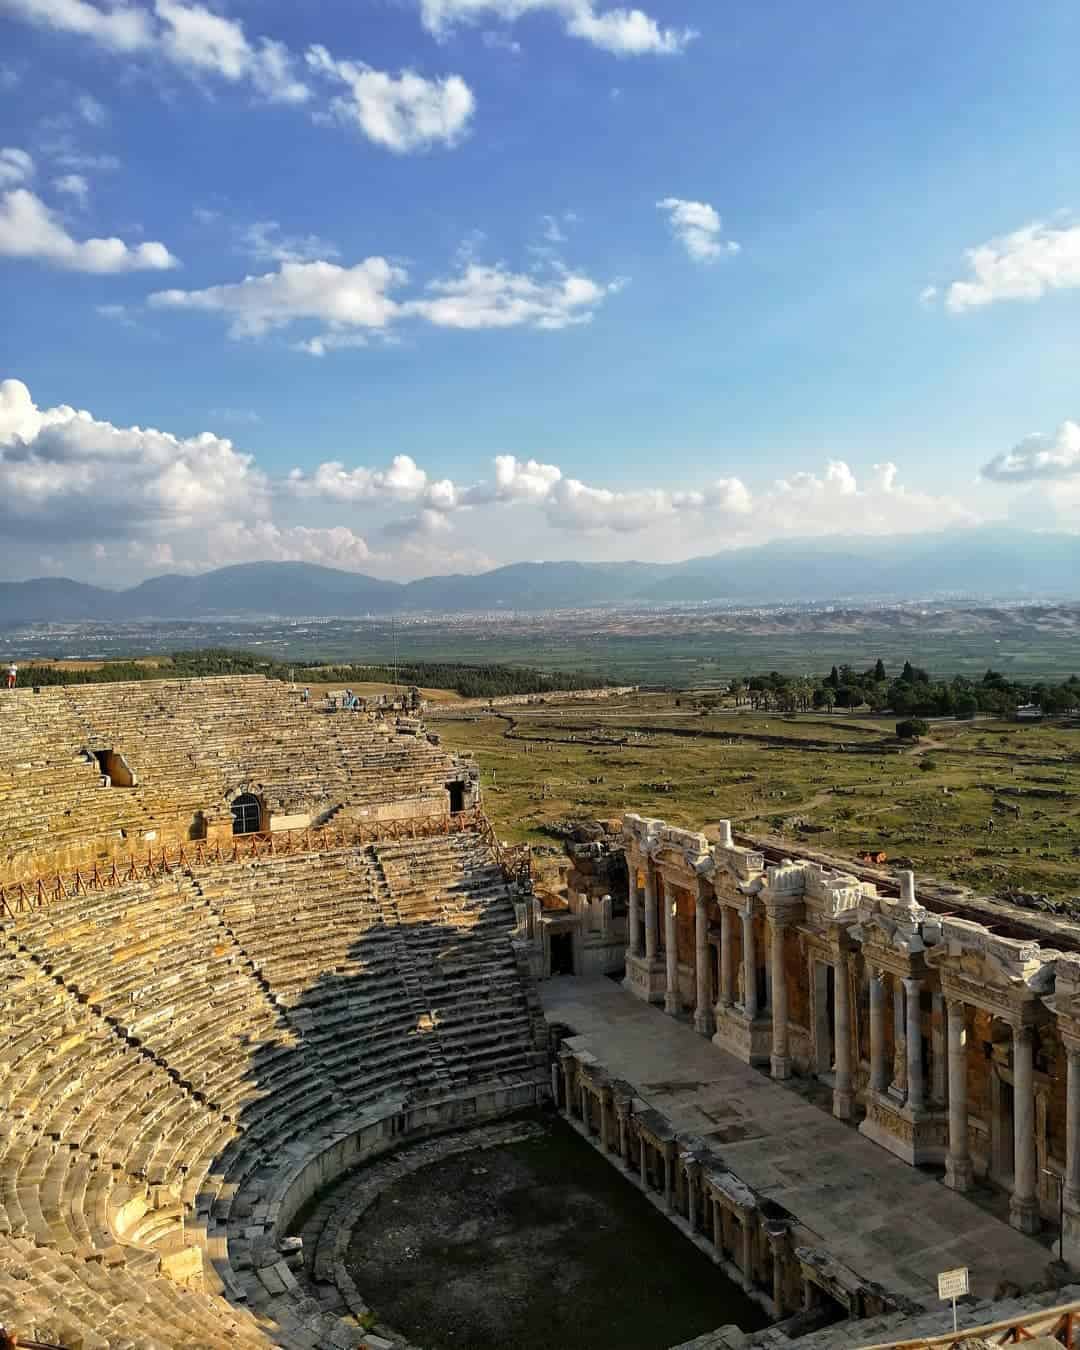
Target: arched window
point(246, 814)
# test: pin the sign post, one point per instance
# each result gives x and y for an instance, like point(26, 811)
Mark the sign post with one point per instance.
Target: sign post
point(950, 1285)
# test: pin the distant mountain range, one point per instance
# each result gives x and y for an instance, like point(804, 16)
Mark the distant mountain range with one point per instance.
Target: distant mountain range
point(988, 562)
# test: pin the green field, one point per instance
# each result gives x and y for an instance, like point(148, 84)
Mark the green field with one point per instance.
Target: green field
point(827, 781)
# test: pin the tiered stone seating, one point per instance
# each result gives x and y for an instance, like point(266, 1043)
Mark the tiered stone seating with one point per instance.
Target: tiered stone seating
point(450, 905)
point(174, 1051)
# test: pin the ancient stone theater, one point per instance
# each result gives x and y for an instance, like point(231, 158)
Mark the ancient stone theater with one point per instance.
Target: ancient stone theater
point(245, 942)
point(253, 943)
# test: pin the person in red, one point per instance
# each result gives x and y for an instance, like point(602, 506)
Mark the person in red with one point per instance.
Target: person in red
point(12, 675)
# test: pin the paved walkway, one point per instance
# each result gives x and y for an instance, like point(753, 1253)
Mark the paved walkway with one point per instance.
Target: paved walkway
point(889, 1222)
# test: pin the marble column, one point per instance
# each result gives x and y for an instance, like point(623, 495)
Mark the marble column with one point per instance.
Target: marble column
point(900, 1067)
point(555, 1075)
point(878, 1072)
point(702, 1003)
point(669, 1179)
point(691, 1201)
point(1072, 1129)
point(1024, 1206)
point(643, 1157)
point(776, 1244)
point(780, 1061)
point(916, 1094)
point(652, 945)
point(633, 915)
point(842, 1084)
point(727, 957)
point(671, 951)
point(747, 1255)
point(750, 1005)
point(604, 1124)
point(624, 1138)
point(958, 1171)
point(938, 1057)
point(717, 1226)
point(585, 1108)
point(568, 1089)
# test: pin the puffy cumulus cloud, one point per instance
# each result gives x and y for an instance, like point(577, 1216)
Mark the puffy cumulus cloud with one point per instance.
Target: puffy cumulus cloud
point(836, 502)
point(1024, 265)
point(347, 297)
point(404, 112)
point(401, 112)
point(624, 32)
point(16, 166)
point(1039, 458)
point(117, 27)
point(401, 481)
point(516, 481)
point(200, 41)
point(235, 542)
point(28, 229)
point(63, 469)
point(492, 297)
point(697, 226)
point(356, 302)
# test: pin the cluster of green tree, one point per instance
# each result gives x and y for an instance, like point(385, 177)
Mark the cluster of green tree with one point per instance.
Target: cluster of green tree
point(911, 693)
point(469, 681)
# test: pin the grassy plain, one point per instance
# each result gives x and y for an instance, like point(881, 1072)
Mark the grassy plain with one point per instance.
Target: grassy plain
point(835, 782)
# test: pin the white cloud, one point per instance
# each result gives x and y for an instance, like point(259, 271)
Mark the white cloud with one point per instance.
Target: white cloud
point(1024, 265)
point(625, 32)
point(236, 541)
point(492, 297)
point(404, 112)
point(16, 166)
point(198, 40)
point(697, 226)
point(28, 229)
point(91, 111)
point(118, 27)
point(1039, 457)
point(347, 297)
point(65, 469)
point(73, 185)
point(928, 295)
point(264, 242)
point(356, 302)
point(500, 42)
point(401, 481)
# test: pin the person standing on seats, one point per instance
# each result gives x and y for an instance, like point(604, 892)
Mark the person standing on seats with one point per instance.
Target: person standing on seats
point(12, 675)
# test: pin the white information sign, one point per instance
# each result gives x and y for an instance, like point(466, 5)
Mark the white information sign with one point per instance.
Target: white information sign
point(952, 1283)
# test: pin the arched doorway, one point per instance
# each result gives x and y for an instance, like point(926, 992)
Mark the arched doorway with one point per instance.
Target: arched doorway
point(246, 814)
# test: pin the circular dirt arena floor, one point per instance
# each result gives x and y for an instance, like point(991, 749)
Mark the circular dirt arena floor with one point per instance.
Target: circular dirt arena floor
point(534, 1244)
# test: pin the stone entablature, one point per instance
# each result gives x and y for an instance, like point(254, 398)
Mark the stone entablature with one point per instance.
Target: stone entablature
point(952, 1044)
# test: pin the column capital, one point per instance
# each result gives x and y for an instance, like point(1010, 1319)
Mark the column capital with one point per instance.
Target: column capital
point(913, 983)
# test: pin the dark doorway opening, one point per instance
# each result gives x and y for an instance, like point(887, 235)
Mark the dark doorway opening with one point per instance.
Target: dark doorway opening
point(457, 797)
point(562, 953)
point(246, 814)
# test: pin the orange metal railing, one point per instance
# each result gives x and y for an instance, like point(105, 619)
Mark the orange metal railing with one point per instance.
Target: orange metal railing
point(24, 897)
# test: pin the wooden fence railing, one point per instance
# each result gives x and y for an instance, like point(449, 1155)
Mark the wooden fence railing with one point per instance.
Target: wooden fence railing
point(1059, 1324)
point(24, 897)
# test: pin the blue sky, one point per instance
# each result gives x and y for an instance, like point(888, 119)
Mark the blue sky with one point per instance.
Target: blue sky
point(722, 273)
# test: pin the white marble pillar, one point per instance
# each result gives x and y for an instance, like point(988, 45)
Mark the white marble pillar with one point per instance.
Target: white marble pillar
point(671, 951)
point(652, 945)
point(878, 1068)
point(633, 947)
point(727, 958)
point(780, 1060)
point(624, 1139)
point(958, 1171)
point(702, 1002)
point(842, 1083)
point(750, 1005)
point(938, 1057)
point(899, 1082)
point(1024, 1207)
point(916, 1094)
point(747, 1255)
point(1072, 1129)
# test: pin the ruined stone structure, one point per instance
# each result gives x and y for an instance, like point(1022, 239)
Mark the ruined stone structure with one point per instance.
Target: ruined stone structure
point(953, 1041)
point(187, 1055)
point(91, 772)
